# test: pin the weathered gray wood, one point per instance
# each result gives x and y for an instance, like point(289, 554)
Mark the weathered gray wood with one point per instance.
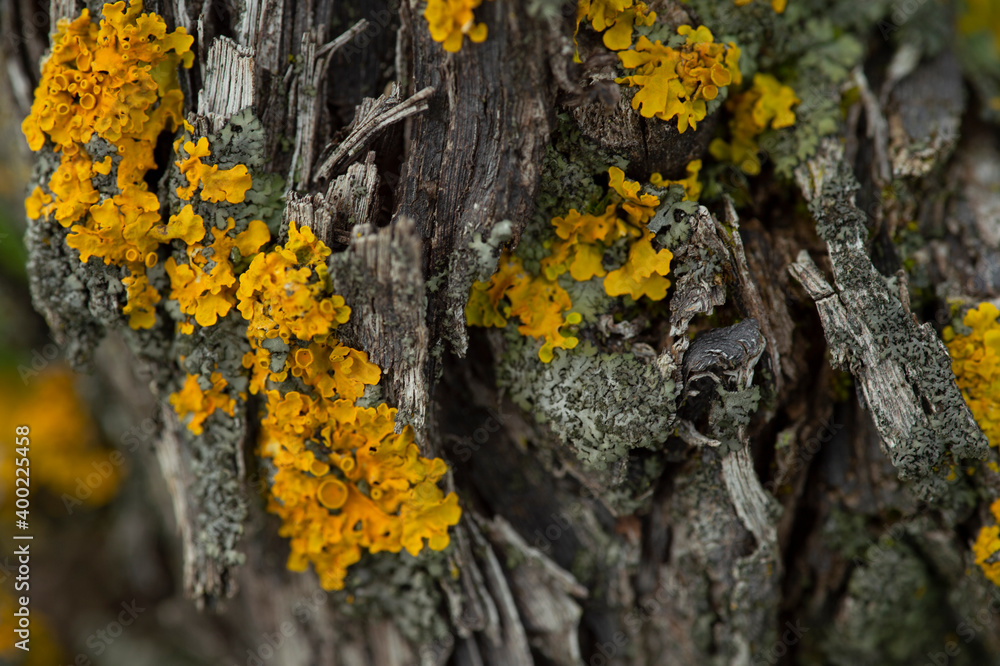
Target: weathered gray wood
point(554, 561)
point(903, 368)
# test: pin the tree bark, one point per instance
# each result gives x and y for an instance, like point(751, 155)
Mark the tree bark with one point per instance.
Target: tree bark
point(772, 490)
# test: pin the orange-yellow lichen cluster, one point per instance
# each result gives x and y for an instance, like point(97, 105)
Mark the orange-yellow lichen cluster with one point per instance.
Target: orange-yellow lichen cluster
point(690, 183)
point(345, 481)
point(205, 287)
point(767, 103)
point(680, 82)
point(118, 81)
point(450, 20)
point(975, 360)
point(541, 304)
point(66, 453)
point(615, 18)
point(986, 549)
point(200, 402)
point(979, 16)
point(776, 5)
point(216, 184)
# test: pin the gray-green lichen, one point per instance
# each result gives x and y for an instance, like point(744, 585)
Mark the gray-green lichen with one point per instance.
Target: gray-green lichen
point(601, 405)
point(572, 177)
point(79, 300)
point(399, 587)
point(485, 252)
point(812, 46)
point(908, 596)
point(731, 412)
point(84, 301)
point(930, 426)
point(240, 140)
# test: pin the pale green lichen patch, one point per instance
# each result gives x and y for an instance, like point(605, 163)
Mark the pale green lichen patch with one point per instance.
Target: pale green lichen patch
point(401, 588)
point(730, 412)
point(600, 404)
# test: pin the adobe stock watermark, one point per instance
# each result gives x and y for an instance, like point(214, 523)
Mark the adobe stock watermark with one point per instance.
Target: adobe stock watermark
point(103, 470)
point(983, 621)
point(791, 636)
point(377, 24)
point(902, 12)
point(101, 640)
point(143, 434)
point(561, 522)
point(40, 360)
point(650, 607)
point(273, 642)
point(35, 27)
point(883, 544)
point(7, 569)
point(733, 176)
point(468, 445)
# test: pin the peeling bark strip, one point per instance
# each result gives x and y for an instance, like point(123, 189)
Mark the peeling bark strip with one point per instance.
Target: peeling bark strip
point(379, 274)
point(371, 118)
point(480, 143)
point(902, 368)
point(350, 199)
point(307, 91)
point(229, 82)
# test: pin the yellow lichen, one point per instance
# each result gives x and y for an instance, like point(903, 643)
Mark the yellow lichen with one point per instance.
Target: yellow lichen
point(690, 183)
point(216, 185)
point(776, 5)
point(643, 273)
point(766, 104)
point(986, 549)
point(205, 287)
point(975, 360)
point(141, 302)
point(582, 239)
point(200, 402)
point(450, 20)
point(978, 16)
point(679, 82)
point(118, 80)
point(283, 292)
point(615, 18)
point(36, 202)
point(345, 481)
point(541, 304)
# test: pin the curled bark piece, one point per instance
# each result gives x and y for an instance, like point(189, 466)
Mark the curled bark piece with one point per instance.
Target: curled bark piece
point(700, 290)
point(372, 117)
